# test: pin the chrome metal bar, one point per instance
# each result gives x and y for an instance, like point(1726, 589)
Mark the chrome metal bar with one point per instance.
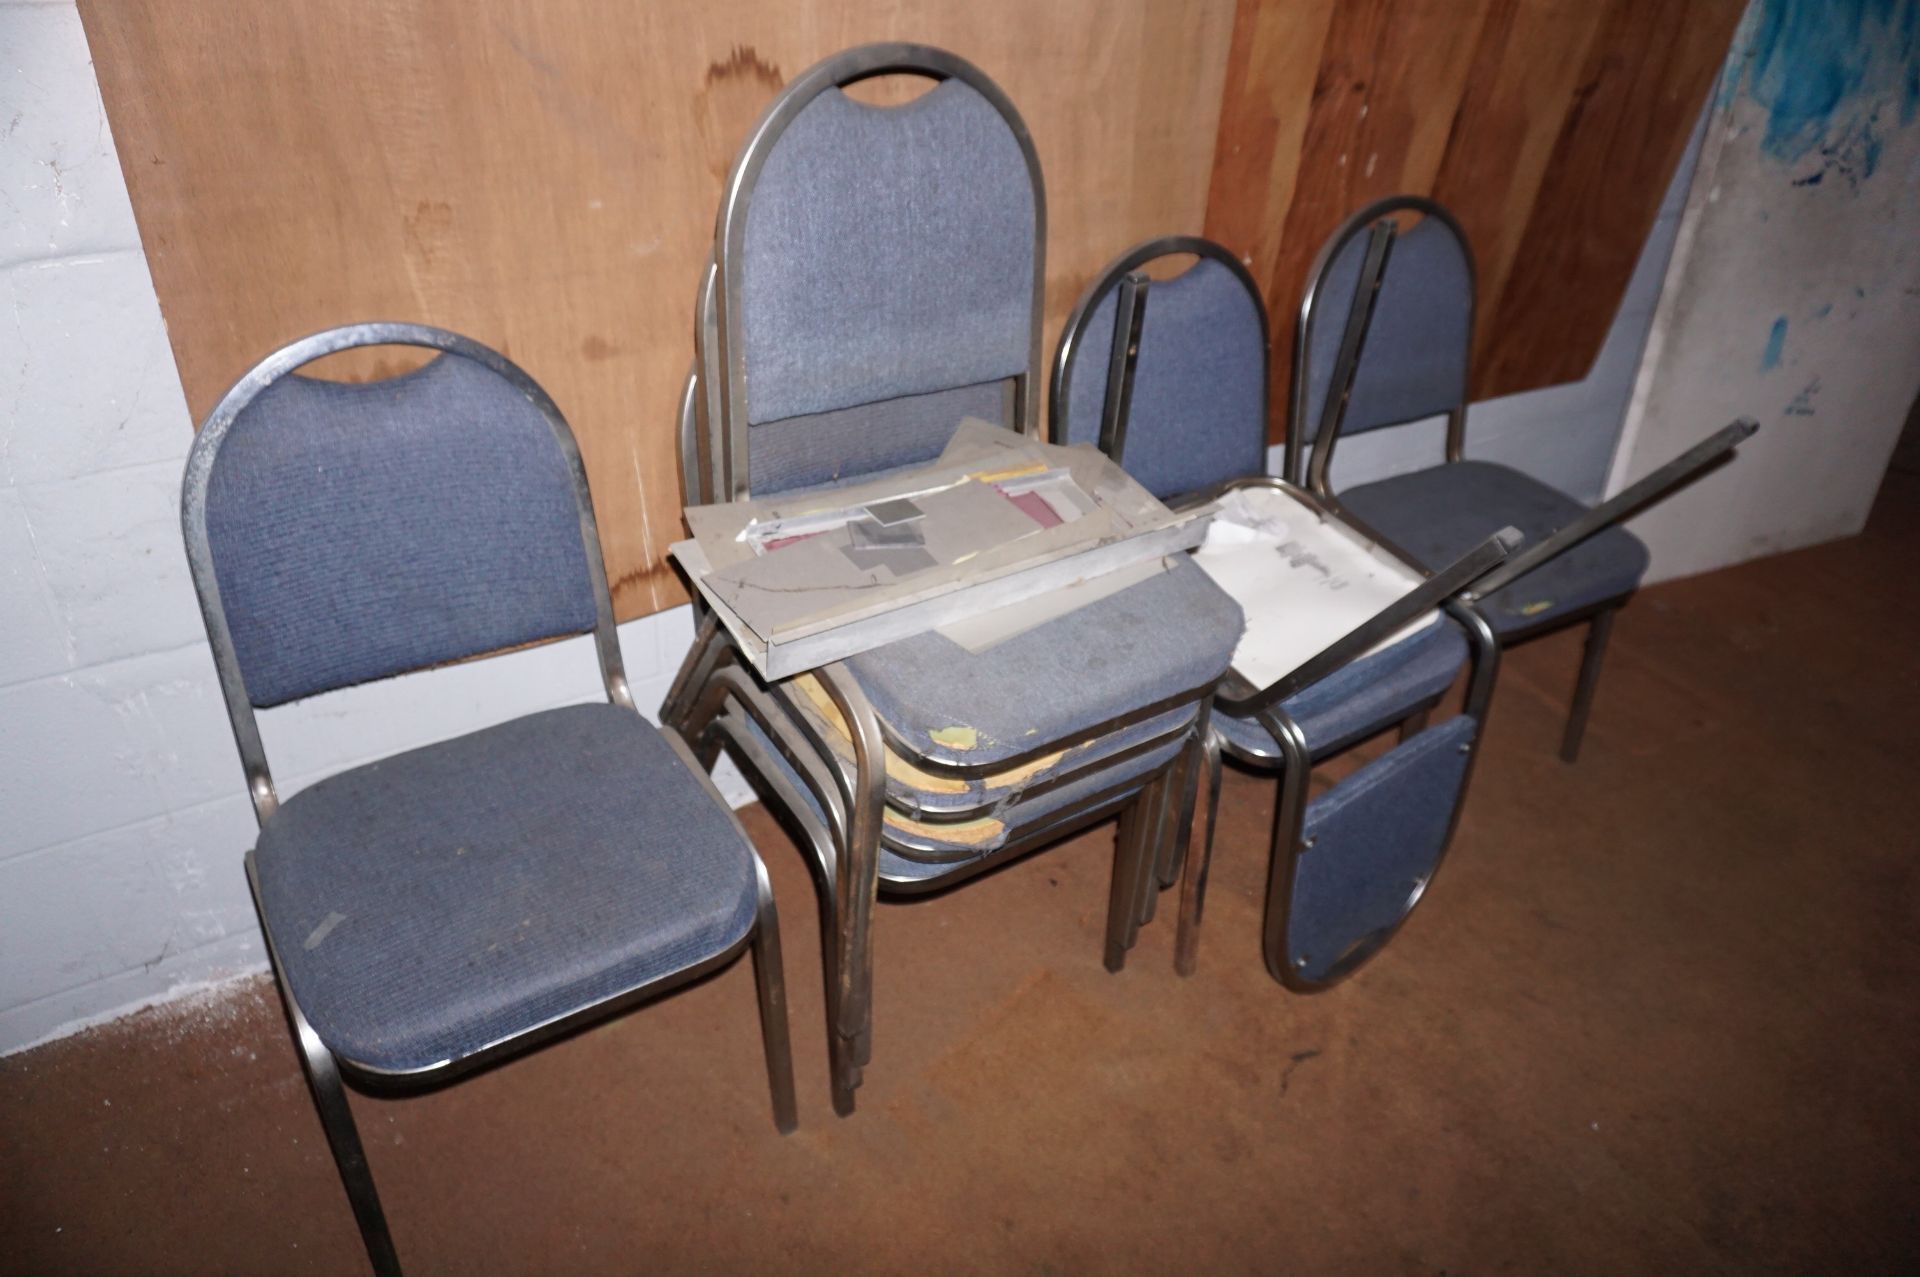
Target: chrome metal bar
point(336, 1118)
point(1353, 341)
point(1289, 817)
point(747, 751)
point(1185, 785)
point(1129, 313)
point(1193, 884)
point(858, 880)
point(1123, 893)
point(697, 667)
point(1710, 451)
point(1598, 631)
point(770, 984)
point(1153, 804)
point(1430, 594)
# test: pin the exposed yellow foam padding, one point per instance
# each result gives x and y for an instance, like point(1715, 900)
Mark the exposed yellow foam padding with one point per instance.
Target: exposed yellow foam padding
point(906, 773)
point(965, 833)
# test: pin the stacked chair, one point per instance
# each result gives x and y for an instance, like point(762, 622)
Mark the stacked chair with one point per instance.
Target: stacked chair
point(1385, 337)
point(876, 277)
point(444, 908)
point(1170, 379)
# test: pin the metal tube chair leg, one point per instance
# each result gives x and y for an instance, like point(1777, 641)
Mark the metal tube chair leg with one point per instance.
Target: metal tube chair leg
point(336, 1119)
point(1180, 810)
point(1598, 631)
point(1288, 819)
point(857, 879)
point(1152, 823)
point(1193, 884)
point(843, 1068)
point(703, 654)
point(330, 1097)
point(770, 983)
point(1123, 906)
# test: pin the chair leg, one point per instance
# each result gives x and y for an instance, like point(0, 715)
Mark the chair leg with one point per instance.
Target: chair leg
point(1153, 820)
point(770, 983)
point(1193, 885)
point(1598, 631)
point(1124, 894)
point(1413, 724)
point(330, 1097)
point(843, 1054)
point(1179, 809)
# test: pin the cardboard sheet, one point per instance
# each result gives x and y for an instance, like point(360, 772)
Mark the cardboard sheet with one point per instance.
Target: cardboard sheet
point(1304, 582)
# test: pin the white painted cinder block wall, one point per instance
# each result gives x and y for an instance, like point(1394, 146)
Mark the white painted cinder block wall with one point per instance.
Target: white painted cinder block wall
point(122, 814)
point(123, 817)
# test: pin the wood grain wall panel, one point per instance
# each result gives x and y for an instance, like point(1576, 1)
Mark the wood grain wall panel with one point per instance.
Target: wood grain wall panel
point(1550, 127)
point(1388, 76)
point(1524, 75)
point(543, 176)
point(1639, 91)
point(1269, 91)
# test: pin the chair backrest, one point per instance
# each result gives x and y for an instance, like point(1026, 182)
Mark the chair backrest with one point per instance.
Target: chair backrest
point(1412, 362)
point(339, 533)
point(880, 273)
point(1196, 413)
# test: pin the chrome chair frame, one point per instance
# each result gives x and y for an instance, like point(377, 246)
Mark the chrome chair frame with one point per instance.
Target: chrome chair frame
point(719, 704)
point(325, 1070)
point(1238, 698)
point(1376, 220)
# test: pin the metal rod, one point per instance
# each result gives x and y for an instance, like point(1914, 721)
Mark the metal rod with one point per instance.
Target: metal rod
point(1596, 650)
point(1712, 450)
point(1353, 340)
point(1129, 314)
point(1193, 884)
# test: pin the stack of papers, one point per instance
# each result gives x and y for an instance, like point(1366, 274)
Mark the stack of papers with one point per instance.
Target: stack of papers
point(802, 581)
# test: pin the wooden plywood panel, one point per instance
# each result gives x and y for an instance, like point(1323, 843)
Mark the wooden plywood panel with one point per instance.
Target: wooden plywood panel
point(1524, 76)
point(1640, 89)
point(543, 177)
point(1268, 95)
point(1387, 78)
point(1529, 118)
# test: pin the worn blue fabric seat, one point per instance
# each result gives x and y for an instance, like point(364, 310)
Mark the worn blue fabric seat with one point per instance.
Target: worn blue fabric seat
point(1358, 700)
point(1161, 638)
point(1440, 513)
point(435, 902)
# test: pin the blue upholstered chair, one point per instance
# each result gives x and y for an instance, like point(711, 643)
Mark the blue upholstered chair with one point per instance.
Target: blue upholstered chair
point(1169, 377)
point(442, 908)
point(1402, 354)
point(876, 277)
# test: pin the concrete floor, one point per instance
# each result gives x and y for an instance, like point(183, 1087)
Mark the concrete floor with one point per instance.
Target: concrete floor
point(1659, 1014)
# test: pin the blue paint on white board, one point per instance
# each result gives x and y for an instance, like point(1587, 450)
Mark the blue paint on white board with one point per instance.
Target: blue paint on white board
point(1833, 76)
point(1776, 345)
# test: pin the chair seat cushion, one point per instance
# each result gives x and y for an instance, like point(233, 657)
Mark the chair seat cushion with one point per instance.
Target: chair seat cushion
point(916, 792)
point(429, 905)
point(1373, 693)
point(1437, 515)
point(1168, 635)
point(957, 844)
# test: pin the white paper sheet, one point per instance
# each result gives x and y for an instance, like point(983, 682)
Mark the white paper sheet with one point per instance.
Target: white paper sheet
point(1303, 582)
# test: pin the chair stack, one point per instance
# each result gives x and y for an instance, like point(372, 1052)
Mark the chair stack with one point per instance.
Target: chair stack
point(876, 277)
